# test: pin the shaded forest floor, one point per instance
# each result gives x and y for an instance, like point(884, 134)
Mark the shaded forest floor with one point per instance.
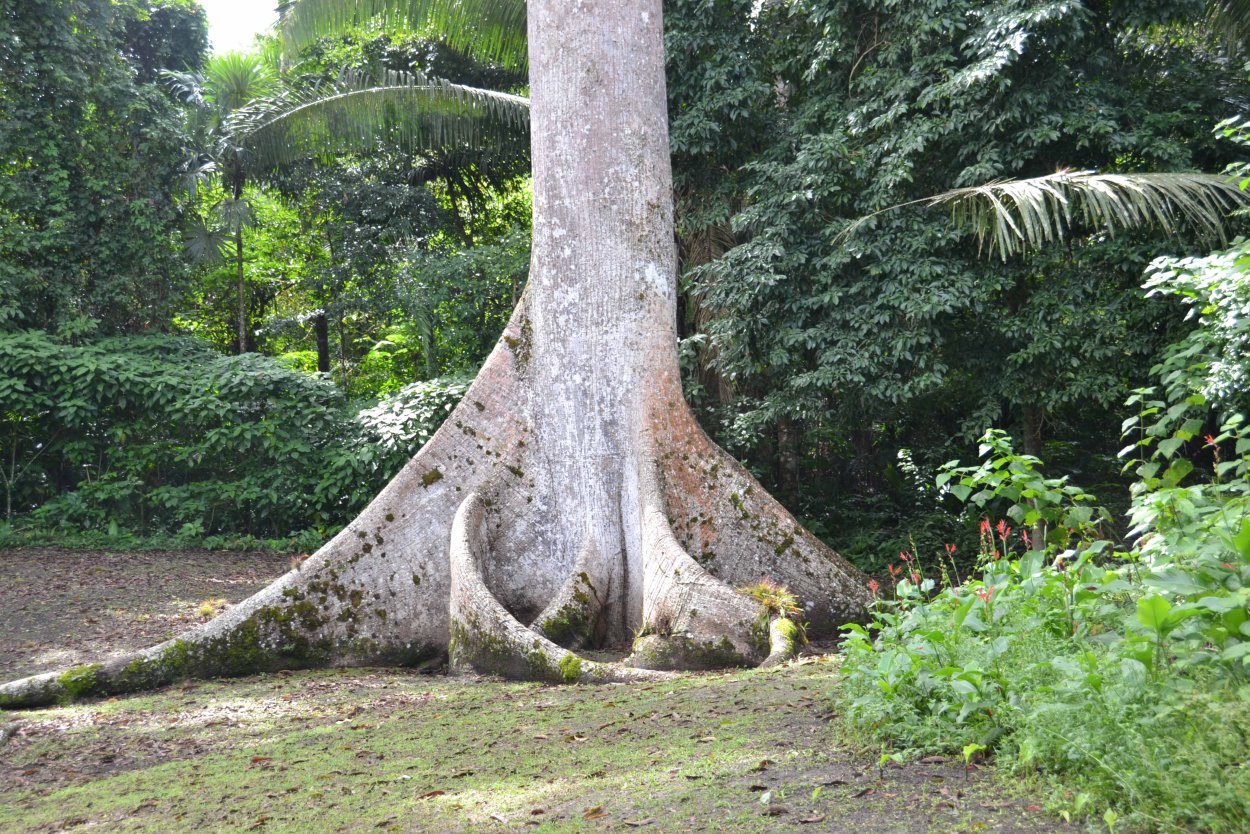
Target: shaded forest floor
point(391, 750)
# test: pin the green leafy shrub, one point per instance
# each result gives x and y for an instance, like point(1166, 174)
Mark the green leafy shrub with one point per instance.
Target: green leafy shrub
point(161, 436)
point(1104, 669)
point(1123, 673)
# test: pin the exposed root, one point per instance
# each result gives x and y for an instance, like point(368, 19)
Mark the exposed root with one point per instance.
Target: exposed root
point(740, 534)
point(691, 619)
point(784, 641)
point(7, 731)
point(486, 638)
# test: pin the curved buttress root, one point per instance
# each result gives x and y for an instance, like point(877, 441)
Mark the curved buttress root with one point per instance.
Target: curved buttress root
point(486, 638)
point(690, 618)
point(376, 594)
point(741, 534)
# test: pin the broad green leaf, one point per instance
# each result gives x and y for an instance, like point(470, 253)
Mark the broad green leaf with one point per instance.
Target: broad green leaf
point(1152, 612)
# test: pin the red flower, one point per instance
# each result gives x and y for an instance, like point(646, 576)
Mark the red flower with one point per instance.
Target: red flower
point(873, 586)
point(906, 556)
point(1003, 530)
point(1210, 438)
point(985, 592)
point(950, 550)
point(1024, 537)
point(915, 577)
point(985, 526)
point(895, 570)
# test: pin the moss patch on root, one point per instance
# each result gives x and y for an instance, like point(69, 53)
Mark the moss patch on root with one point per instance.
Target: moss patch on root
point(570, 668)
point(679, 652)
point(576, 623)
point(473, 647)
point(79, 682)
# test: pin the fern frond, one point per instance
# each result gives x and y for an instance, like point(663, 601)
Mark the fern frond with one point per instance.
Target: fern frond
point(357, 112)
point(1017, 215)
point(489, 30)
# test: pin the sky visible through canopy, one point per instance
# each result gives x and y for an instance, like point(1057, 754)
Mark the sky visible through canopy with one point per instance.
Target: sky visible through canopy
point(233, 23)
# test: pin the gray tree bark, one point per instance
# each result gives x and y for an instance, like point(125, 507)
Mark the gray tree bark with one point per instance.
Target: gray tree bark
point(571, 500)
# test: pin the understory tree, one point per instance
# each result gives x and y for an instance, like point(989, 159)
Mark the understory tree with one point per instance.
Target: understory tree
point(570, 500)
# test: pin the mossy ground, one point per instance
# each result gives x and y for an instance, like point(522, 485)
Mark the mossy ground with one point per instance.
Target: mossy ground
point(392, 750)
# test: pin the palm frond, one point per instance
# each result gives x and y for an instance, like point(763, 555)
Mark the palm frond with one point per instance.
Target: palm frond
point(1230, 19)
point(205, 244)
point(490, 30)
point(233, 79)
point(1017, 215)
point(187, 87)
point(233, 215)
point(195, 173)
point(356, 112)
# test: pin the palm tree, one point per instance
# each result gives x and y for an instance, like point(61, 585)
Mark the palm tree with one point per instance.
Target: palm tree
point(229, 82)
point(256, 126)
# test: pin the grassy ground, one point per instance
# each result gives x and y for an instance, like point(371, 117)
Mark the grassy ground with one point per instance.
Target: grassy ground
point(391, 750)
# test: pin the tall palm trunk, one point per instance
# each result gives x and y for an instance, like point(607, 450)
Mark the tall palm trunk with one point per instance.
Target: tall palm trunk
point(241, 281)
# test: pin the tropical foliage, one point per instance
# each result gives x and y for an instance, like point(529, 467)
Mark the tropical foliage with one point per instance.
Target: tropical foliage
point(839, 363)
point(1071, 654)
point(149, 435)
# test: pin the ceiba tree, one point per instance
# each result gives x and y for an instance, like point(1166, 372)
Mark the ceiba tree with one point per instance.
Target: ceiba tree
point(571, 500)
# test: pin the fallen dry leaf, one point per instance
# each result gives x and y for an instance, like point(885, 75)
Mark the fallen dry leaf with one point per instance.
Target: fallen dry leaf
point(431, 794)
point(595, 813)
point(814, 818)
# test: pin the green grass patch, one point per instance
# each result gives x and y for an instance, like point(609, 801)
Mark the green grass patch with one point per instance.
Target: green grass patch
point(391, 750)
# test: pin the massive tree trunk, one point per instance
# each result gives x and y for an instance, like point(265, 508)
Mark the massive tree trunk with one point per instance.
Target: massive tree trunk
point(571, 500)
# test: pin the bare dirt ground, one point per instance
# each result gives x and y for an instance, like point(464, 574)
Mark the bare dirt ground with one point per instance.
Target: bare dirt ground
point(62, 608)
point(392, 750)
